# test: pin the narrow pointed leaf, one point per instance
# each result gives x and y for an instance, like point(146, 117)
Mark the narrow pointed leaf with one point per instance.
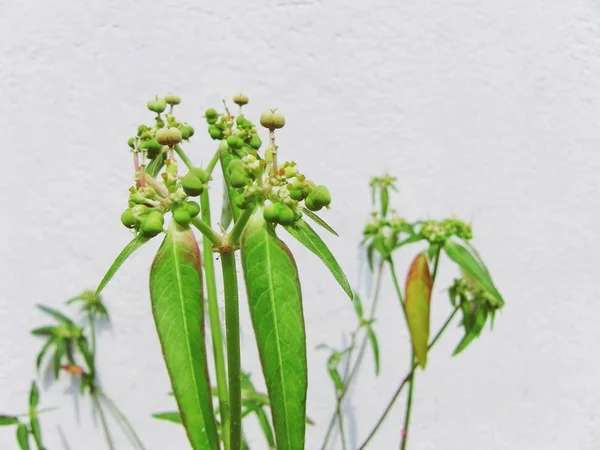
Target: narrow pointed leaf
point(59, 352)
point(472, 266)
point(43, 331)
point(8, 420)
point(385, 201)
point(173, 417)
point(319, 221)
point(177, 306)
point(473, 331)
point(303, 232)
point(34, 396)
point(275, 302)
point(36, 431)
point(418, 296)
point(263, 421)
point(56, 314)
point(23, 437)
point(129, 249)
point(40, 355)
point(358, 308)
point(332, 367)
point(374, 347)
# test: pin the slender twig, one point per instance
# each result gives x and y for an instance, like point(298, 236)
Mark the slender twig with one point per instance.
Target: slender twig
point(121, 418)
point(340, 417)
point(409, 402)
point(187, 161)
point(213, 162)
point(100, 411)
point(238, 228)
point(348, 378)
point(207, 231)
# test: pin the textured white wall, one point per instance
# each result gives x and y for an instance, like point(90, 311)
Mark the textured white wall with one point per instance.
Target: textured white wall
point(485, 109)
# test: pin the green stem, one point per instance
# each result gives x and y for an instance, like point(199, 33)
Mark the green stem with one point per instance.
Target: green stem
point(398, 288)
point(409, 402)
point(121, 418)
point(215, 322)
point(405, 380)
point(356, 365)
point(100, 411)
point(232, 323)
point(92, 322)
point(183, 157)
point(340, 417)
point(207, 231)
point(238, 228)
point(213, 162)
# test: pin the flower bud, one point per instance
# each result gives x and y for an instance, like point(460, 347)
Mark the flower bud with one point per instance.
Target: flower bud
point(182, 216)
point(187, 131)
point(193, 208)
point(173, 99)
point(128, 219)
point(255, 142)
point(157, 105)
point(215, 132)
point(168, 136)
point(240, 99)
point(192, 185)
point(271, 212)
point(238, 179)
point(211, 116)
point(152, 224)
point(234, 142)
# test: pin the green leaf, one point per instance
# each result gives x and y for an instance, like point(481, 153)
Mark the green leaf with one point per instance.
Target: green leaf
point(472, 267)
point(418, 296)
point(358, 308)
point(263, 421)
point(23, 437)
point(86, 353)
point(375, 347)
point(43, 331)
point(129, 249)
point(275, 301)
point(319, 221)
point(59, 352)
point(177, 306)
point(156, 164)
point(34, 396)
point(40, 355)
point(226, 157)
point(332, 368)
point(34, 424)
point(473, 329)
point(8, 420)
point(385, 201)
point(311, 240)
point(173, 417)
point(56, 314)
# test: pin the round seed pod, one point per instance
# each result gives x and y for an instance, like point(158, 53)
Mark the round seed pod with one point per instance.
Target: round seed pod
point(242, 122)
point(187, 131)
point(296, 194)
point(321, 196)
point(152, 224)
point(168, 136)
point(240, 201)
point(215, 132)
point(142, 129)
point(173, 99)
point(310, 204)
point(182, 216)
point(234, 142)
point(238, 179)
point(255, 142)
point(271, 212)
point(193, 208)
point(286, 215)
point(240, 99)
point(157, 105)
point(128, 219)
point(236, 165)
point(192, 185)
point(200, 174)
point(211, 116)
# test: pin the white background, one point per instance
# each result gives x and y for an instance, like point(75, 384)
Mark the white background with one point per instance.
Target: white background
point(484, 109)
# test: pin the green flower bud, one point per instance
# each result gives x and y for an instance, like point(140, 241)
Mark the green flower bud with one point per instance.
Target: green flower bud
point(173, 99)
point(150, 144)
point(187, 131)
point(215, 132)
point(238, 179)
point(255, 142)
point(296, 194)
point(211, 116)
point(139, 211)
point(168, 136)
point(128, 219)
point(286, 215)
point(152, 224)
point(131, 142)
point(200, 174)
point(182, 216)
point(234, 142)
point(271, 212)
point(321, 196)
point(236, 165)
point(157, 105)
point(272, 120)
point(193, 208)
point(310, 204)
point(142, 129)
point(192, 185)
point(242, 122)
point(240, 99)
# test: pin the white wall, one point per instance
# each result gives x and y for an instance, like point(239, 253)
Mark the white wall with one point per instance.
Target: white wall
point(485, 109)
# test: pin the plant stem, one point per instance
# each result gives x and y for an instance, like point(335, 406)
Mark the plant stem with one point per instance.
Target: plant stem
point(238, 228)
point(340, 418)
point(121, 418)
point(183, 157)
point(92, 323)
point(100, 411)
point(232, 322)
point(215, 322)
point(405, 380)
point(409, 402)
point(213, 162)
point(207, 231)
point(398, 288)
point(349, 378)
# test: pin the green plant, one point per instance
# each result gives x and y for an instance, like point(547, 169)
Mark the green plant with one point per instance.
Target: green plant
point(474, 295)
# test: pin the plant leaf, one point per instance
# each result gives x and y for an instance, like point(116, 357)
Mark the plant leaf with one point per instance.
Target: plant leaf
point(263, 421)
point(55, 314)
point(385, 201)
point(332, 367)
point(133, 245)
point(358, 308)
point(34, 424)
point(34, 396)
point(177, 306)
point(59, 352)
point(473, 331)
point(275, 300)
point(173, 417)
point(40, 355)
point(375, 347)
point(418, 296)
point(311, 240)
point(8, 420)
point(472, 266)
point(43, 331)
point(319, 221)
point(23, 437)
point(156, 164)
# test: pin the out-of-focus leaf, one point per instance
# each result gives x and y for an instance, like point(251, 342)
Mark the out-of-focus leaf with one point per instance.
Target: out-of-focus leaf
point(358, 308)
point(56, 314)
point(473, 331)
point(374, 347)
point(43, 331)
point(332, 368)
point(8, 420)
point(385, 201)
point(129, 249)
point(318, 220)
point(59, 352)
point(418, 296)
point(23, 437)
point(40, 355)
point(36, 431)
point(173, 417)
point(34, 396)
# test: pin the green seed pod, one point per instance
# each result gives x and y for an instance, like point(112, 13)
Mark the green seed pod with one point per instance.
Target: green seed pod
point(152, 224)
point(240, 99)
point(193, 208)
point(278, 120)
point(182, 216)
point(168, 136)
point(215, 132)
point(296, 194)
point(142, 129)
point(271, 212)
point(240, 201)
point(157, 105)
point(200, 174)
point(131, 142)
point(242, 122)
point(310, 204)
point(173, 99)
point(286, 215)
point(128, 219)
point(321, 196)
point(255, 142)
point(234, 142)
point(192, 185)
point(151, 144)
point(266, 120)
point(236, 165)
point(238, 179)
point(211, 116)
point(187, 131)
